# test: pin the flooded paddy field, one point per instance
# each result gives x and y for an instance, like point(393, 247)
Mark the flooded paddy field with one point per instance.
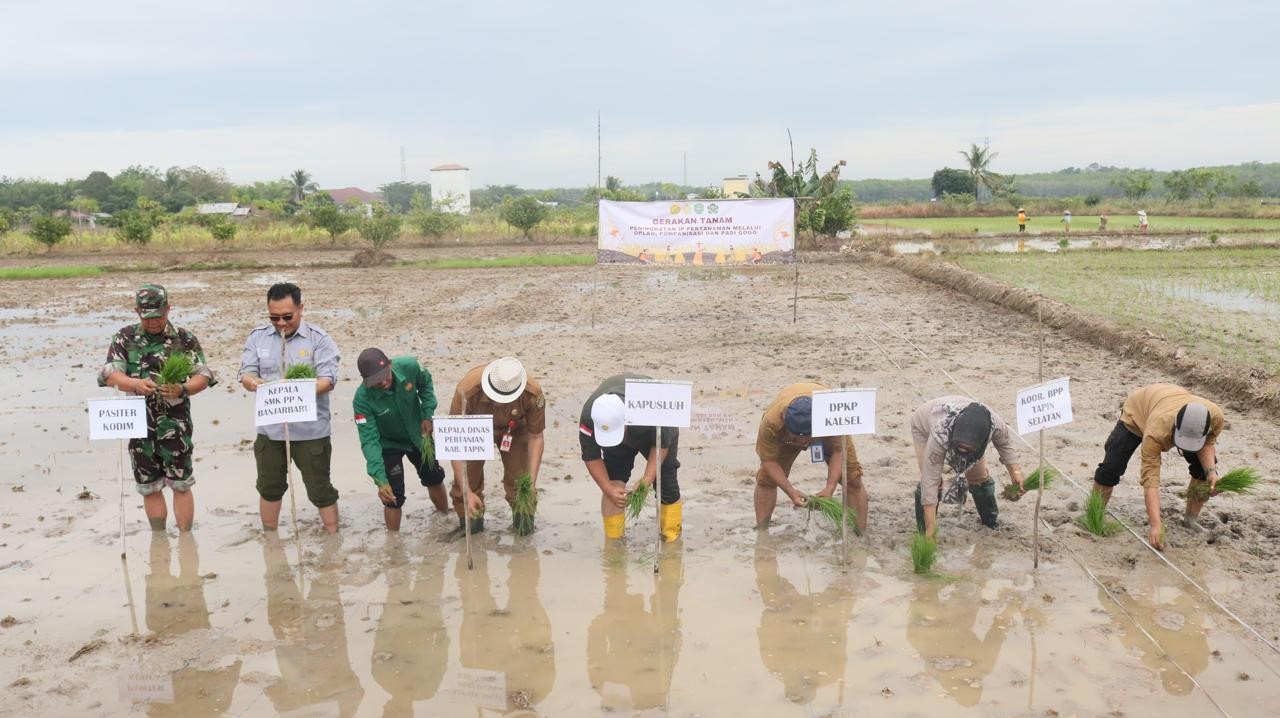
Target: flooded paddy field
point(227, 621)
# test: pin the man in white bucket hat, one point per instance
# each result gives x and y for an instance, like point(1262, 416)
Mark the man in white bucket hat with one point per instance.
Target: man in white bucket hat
point(501, 388)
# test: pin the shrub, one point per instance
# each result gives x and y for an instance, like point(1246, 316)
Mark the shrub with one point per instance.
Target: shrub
point(50, 230)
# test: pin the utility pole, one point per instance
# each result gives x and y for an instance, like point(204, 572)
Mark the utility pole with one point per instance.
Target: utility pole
point(404, 173)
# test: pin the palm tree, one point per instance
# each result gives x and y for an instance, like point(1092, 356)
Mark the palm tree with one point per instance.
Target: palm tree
point(300, 185)
point(979, 161)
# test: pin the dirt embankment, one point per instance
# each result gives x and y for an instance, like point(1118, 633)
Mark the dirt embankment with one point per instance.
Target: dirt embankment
point(1245, 384)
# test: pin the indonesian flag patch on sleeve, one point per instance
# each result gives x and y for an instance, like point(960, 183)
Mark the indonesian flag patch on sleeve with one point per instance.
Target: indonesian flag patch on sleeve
point(585, 429)
point(360, 419)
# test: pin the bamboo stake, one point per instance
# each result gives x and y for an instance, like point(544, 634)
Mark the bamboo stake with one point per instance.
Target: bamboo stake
point(844, 505)
point(466, 500)
point(288, 455)
point(657, 456)
point(1035, 530)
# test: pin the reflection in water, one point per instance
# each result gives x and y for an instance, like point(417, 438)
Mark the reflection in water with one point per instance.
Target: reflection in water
point(514, 641)
point(312, 637)
point(631, 651)
point(803, 636)
point(940, 626)
point(411, 646)
point(1175, 620)
point(176, 605)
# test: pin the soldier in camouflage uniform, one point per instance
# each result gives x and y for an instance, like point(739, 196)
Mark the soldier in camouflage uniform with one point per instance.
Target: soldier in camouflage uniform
point(133, 366)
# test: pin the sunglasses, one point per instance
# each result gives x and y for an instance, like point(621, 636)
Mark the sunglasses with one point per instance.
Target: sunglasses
point(277, 318)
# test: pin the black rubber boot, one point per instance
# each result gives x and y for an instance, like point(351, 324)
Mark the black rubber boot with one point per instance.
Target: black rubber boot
point(919, 511)
point(984, 498)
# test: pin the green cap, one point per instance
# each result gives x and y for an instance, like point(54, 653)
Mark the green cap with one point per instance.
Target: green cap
point(152, 300)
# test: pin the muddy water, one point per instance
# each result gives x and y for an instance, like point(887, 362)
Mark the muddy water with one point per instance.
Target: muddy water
point(226, 621)
point(1047, 244)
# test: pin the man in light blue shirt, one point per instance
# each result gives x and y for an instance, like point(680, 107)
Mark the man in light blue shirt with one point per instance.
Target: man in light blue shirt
point(311, 449)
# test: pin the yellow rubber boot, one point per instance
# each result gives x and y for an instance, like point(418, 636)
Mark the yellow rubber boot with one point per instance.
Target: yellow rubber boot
point(670, 518)
point(614, 525)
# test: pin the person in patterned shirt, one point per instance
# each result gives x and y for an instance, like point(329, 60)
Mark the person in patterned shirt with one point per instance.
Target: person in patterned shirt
point(133, 364)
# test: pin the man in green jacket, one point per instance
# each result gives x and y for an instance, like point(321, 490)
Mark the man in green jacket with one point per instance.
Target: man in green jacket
point(393, 409)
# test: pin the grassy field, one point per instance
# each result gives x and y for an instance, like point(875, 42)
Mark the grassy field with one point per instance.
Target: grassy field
point(49, 272)
point(1218, 303)
point(1080, 223)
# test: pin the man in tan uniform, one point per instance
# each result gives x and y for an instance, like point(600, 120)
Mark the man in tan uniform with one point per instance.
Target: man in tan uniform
point(1158, 418)
point(786, 430)
point(518, 406)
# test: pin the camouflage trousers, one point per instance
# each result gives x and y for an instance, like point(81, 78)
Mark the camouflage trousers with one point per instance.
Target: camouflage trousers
point(163, 458)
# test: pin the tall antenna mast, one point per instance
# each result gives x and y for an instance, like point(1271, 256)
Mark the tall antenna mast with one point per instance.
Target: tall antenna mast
point(404, 173)
point(599, 154)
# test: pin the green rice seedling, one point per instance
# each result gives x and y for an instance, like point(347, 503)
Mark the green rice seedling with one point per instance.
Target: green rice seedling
point(1240, 480)
point(924, 551)
point(300, 371)
point(1033, 481)
point(833, 510)
point(176, 369)
point(526, 501)
point(1095, 519)
point(637, 498)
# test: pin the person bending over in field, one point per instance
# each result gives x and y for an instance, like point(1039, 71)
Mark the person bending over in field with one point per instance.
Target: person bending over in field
point(952, 433)
point(1158, 418)
point(786, 429)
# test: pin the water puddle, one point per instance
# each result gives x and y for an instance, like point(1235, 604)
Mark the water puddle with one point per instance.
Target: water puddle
point(1231, 301)
point(1016, 246)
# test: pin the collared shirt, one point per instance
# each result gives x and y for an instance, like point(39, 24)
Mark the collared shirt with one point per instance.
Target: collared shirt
point(1150, 412)
point(140, 355)
point(640, 438)
point(392, 418)
point(770, 439)
point(309, 345)
point(528, 411)
point(934, 419)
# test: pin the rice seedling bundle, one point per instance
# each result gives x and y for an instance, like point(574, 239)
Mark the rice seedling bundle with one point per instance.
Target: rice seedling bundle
point(833, 510)
point(176, 369)
point(637, 498)
point(428, 450)
point(1095, 519)
point(1032, 483)
point(924, 551)
point(1241, 480)
point(526, 501)
point(300, 371)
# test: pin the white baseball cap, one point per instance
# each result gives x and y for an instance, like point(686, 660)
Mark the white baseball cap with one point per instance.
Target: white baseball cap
point(504, 380)
point(1192, 427)
point(608, 413)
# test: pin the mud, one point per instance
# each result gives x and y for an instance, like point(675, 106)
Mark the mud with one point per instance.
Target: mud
point(225, 621)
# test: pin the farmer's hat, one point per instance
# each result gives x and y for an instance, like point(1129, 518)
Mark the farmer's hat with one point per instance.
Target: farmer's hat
point(504, 380)
point(1192, 427)
point(152, 300)
point(608, 414)
point(798, 417)
point(374, 366)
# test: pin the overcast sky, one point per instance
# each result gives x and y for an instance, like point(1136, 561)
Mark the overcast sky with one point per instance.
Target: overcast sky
point(511, 89)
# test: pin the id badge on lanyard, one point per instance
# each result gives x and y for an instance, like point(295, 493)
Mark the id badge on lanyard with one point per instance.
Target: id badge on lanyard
point(815, 453)
point(506, 438)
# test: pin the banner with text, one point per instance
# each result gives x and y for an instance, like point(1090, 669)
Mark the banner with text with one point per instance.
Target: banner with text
point(658, 403)
point(280, 402)
point(463, 438)
point(1044, 406)
point(714, 232)
point(118, 418)
point(843, 412)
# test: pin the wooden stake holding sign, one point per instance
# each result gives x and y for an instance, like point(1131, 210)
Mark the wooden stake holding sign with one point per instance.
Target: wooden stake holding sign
point(464, 438)
point(844, 413)
point(118, 418)
point(658, 404)
point(282, 402)
point(1041, 407)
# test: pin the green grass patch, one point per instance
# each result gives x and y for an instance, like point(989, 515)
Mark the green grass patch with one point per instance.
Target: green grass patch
point(1094, 520)
point(516, 260)
point(176, 369)
point(637, 499)
point(1081, 222)
point(833, 511)
point(1241, 480)
point(300, 371)
point(49, 272)
point(924, 552)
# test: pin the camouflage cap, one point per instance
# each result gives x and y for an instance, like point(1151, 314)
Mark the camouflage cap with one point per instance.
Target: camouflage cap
point(152, 300)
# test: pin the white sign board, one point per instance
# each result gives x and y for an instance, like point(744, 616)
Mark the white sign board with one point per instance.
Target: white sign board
point(463, 438)
point(844, 412)
point(712, 232)
point(658, 403)
point(480, 687)
point(280, 402)
point(118, 418)
point(1044, 406)
point(139, 685)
